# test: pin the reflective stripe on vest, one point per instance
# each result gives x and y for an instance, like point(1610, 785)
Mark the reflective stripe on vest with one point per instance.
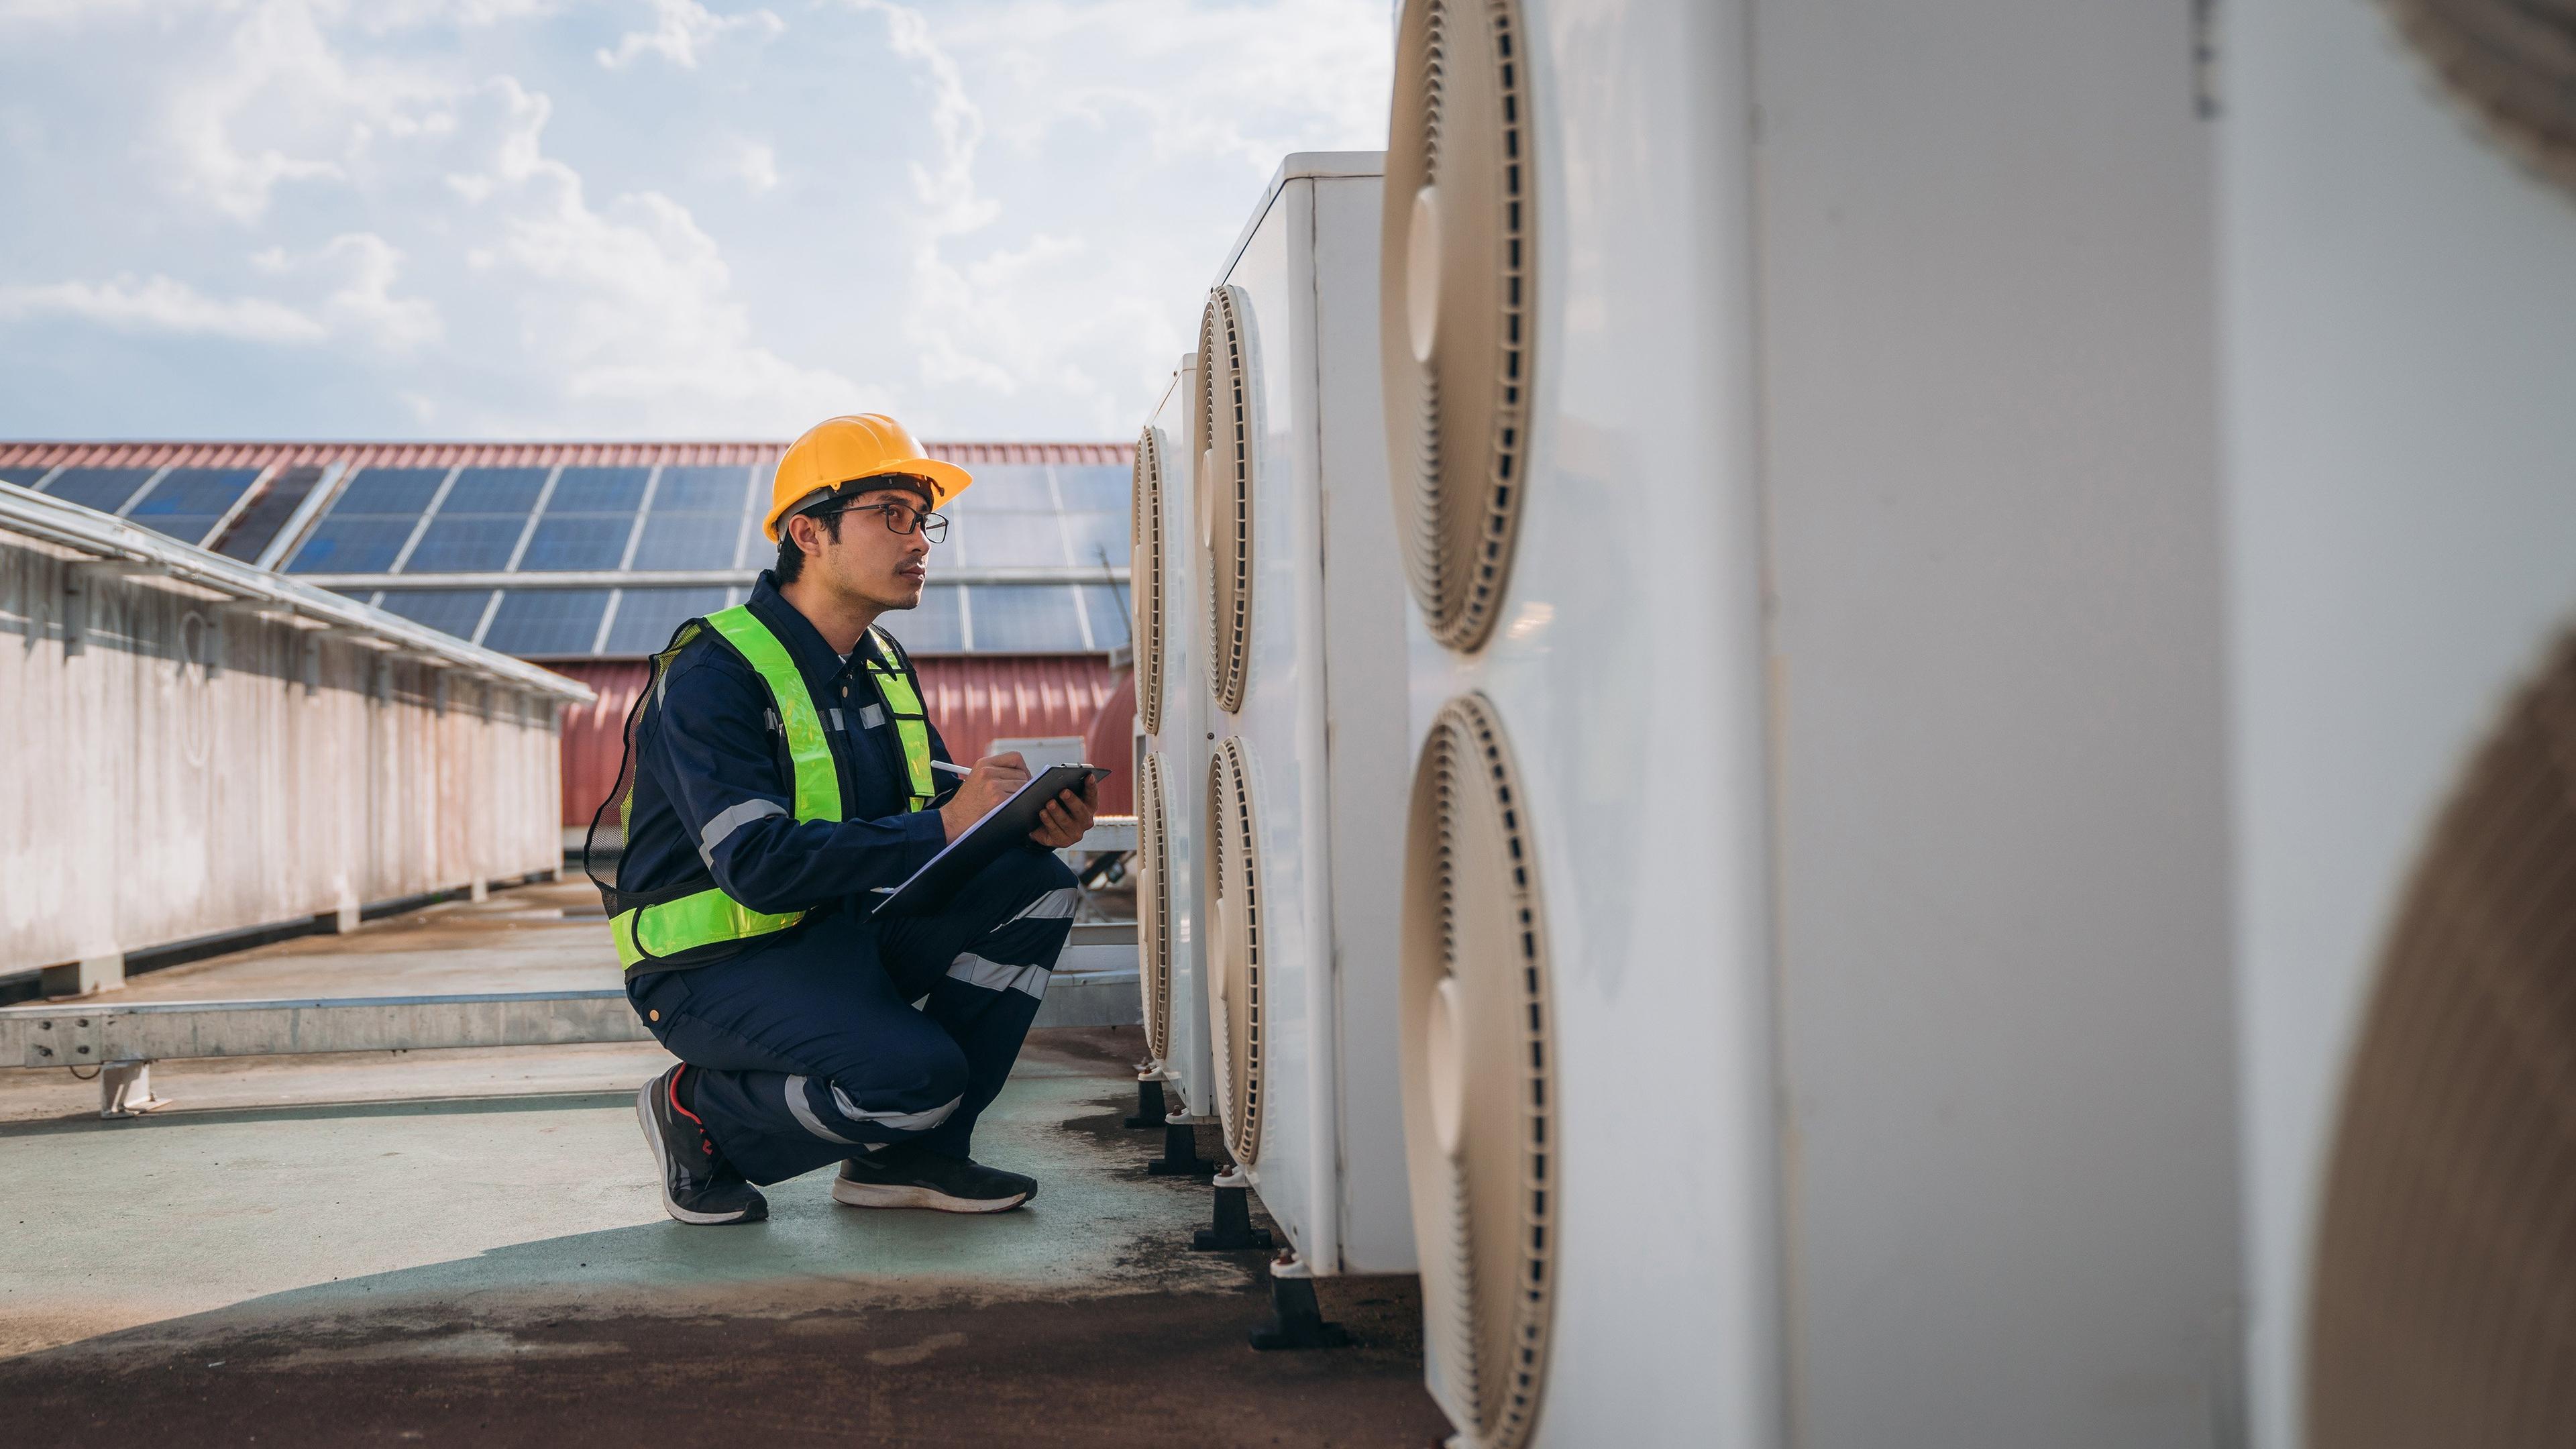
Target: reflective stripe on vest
point(911, 724)
point(710, 917)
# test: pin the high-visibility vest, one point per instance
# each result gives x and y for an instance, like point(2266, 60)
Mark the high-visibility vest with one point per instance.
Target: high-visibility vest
point(696, 923)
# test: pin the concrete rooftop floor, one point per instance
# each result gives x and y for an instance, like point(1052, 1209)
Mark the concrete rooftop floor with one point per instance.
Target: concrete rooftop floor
point(467, 1247)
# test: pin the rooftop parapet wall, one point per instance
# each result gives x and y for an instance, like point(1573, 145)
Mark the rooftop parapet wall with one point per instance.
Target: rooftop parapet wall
point(181, 761)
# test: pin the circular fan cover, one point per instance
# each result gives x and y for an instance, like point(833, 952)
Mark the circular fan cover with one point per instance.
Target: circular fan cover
point(2513, 62)
point(2444, 1307)
point(1154, 905)
point(1479, 1076)
point(1234, 933)
point(1145, 579)
point(1455, 314)
point(1230, 432)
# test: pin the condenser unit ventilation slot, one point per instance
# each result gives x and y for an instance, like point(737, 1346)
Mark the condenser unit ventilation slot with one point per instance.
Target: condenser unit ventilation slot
point(1236, 982)
point(1147, 579)
point(1154, 905)
point(2444, 1299)
point(1230, 432)
point(1479, 1076)
point(1457, 267)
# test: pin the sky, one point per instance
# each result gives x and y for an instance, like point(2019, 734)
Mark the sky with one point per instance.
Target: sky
point(637, 218)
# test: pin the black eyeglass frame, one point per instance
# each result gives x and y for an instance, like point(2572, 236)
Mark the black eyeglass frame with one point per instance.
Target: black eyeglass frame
point(932, 526)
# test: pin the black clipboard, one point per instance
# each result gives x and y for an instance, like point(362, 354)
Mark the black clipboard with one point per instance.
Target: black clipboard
point(1002, 827)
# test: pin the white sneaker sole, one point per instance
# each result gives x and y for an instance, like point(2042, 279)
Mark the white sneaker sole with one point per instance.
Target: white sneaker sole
point(866, 1195)
point(662, 1164)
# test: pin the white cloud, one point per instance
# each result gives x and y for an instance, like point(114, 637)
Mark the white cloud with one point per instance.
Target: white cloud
point(163, 305)
point(362, 304)
point(681, 29)
point(756, 163)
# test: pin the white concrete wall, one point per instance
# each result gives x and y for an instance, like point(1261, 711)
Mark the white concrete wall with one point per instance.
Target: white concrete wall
point(2400, 344)
point(145, 799)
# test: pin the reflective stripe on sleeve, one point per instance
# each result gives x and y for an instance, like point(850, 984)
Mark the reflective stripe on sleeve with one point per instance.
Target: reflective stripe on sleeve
point(731, 820)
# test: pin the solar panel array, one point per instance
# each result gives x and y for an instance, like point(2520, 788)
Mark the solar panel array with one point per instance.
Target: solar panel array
point(404, 524)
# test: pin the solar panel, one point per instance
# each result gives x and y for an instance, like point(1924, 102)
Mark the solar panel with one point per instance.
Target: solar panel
point(1092, 485)
point(702, 490)
point(578, 542)
point(646, 617)
point(687, 541)
point(469, 543)
point(495, 490)
point(547, 622)
point(385, 492)
point(361, 545)
point(1026, 619)
point(1096, 537)
point(1107, 606)
point(937, 627)
point(255, 527)
point(187, 502)
point(598, 490)
point(450, 611)
point(104, 489)
point(1004, 540)
point(1004, 486)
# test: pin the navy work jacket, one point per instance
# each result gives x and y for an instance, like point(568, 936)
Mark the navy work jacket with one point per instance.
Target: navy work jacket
point(715, 791)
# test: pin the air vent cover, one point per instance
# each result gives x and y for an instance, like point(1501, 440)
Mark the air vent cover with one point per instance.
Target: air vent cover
point(2444, 1307)
point(1154, 905)
point(1455, 316)
point(1145, 579)
point(1230, 430)
point(1479, 1076)
point(2514, 63)
point(1235, 1016)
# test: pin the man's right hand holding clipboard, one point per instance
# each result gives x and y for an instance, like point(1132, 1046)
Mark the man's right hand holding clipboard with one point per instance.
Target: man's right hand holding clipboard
point(997, 778)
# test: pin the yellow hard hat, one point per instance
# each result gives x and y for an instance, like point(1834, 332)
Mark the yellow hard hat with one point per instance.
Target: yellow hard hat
point(843, 450)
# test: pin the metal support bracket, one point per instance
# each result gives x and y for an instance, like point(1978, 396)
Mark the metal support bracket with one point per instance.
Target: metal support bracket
point(125, 1089)
point(1150, 1111)
point(1233, 1230)
point(1180, 1151)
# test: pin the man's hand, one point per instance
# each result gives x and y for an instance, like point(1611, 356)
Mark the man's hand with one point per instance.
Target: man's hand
point(1067, 816)
point(994, 779)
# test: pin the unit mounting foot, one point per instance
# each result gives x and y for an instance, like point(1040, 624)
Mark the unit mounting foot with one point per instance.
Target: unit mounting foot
point(1233, 1230)
point(1294, 1319)
point(1150, 1110)
point(1180, 1152)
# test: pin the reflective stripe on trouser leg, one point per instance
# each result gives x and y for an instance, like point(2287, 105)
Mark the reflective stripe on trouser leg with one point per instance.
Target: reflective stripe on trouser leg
point(991, 990)
point(823, 1109)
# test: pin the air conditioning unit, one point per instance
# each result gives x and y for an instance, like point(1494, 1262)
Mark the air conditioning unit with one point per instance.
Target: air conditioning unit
point(1815, 992)
point(1305, 671)
point(2401, 340)
point(1172, 756)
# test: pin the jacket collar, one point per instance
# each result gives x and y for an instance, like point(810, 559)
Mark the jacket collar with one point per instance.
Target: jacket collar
point(814, 658)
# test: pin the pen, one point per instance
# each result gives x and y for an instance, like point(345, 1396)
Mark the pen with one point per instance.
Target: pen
point(960, 771)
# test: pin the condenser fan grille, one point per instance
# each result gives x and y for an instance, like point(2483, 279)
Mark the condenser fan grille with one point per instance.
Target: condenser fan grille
point(1455, 325)
point(1228, 430)
point(1479, 1076)
point(1235, 1015)
point(1154, 905)
point(1145, 579)
point(2514, 63)
point(2444, 1308)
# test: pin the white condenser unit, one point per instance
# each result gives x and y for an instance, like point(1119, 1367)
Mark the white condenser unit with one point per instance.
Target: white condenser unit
point(1815, 993)
point(2399, 224)
point(1171, 782)
point(1305, 673)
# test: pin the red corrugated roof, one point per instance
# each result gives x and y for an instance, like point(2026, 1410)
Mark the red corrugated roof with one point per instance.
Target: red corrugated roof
point(26, 455)
point(973, 699)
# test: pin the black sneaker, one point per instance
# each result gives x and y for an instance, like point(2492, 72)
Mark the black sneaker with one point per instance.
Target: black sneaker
point(698, 1185)
point(908, 1177)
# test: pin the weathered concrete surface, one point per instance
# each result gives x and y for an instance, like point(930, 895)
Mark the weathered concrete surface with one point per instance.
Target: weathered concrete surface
point(496, 1269)
point(466, 1246)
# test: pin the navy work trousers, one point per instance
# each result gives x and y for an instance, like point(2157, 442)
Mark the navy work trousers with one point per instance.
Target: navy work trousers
point(809, 1050)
